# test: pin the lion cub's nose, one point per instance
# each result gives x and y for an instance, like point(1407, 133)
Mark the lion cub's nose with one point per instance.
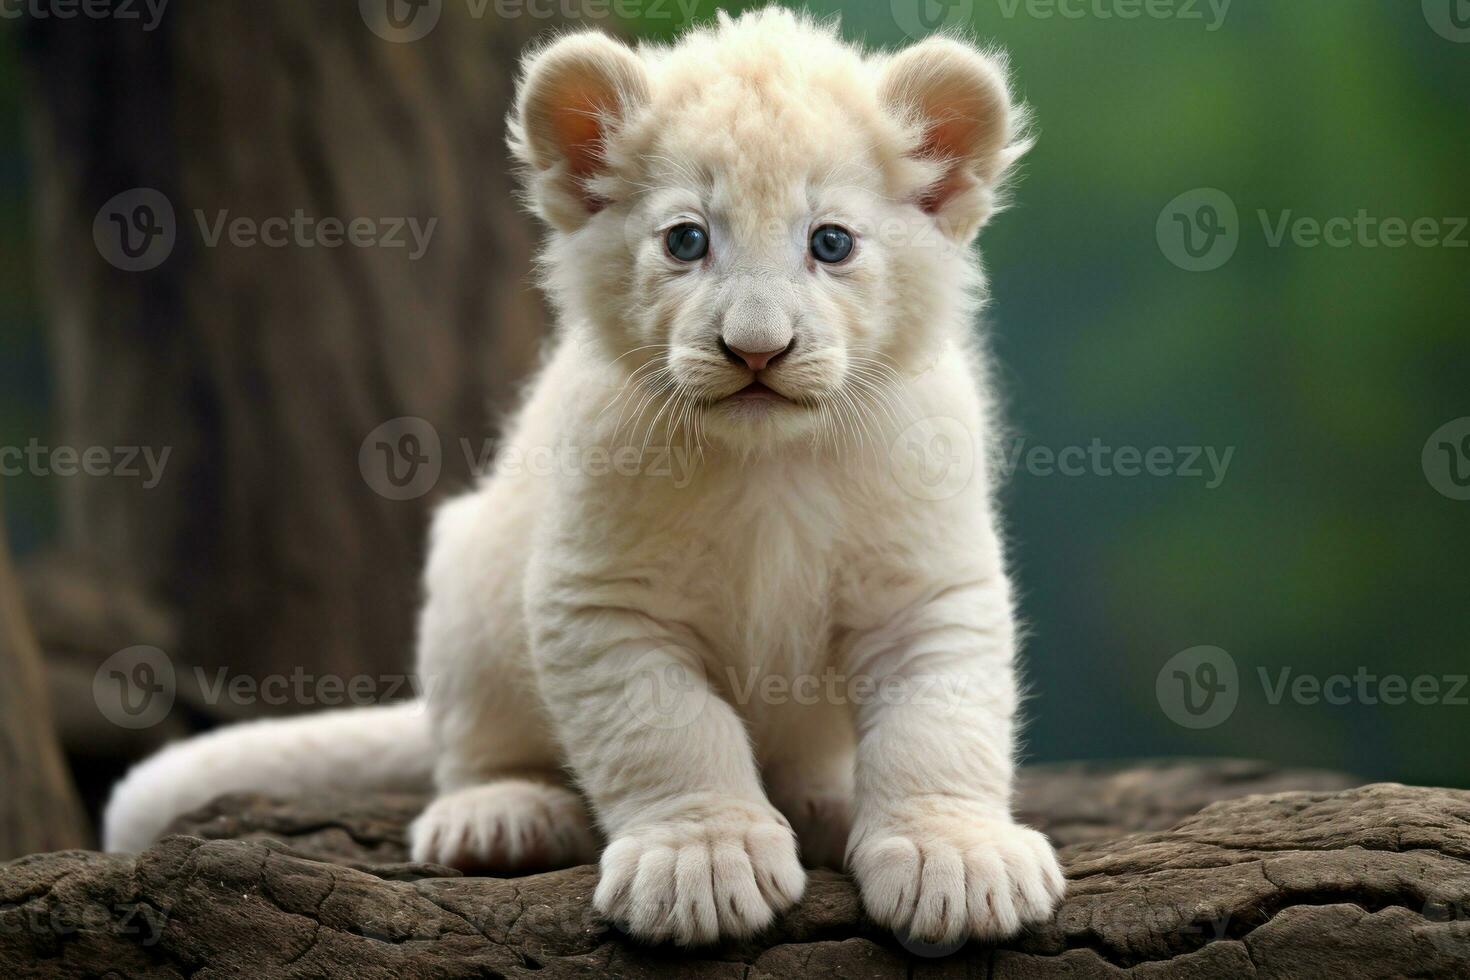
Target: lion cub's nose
point(755, 360)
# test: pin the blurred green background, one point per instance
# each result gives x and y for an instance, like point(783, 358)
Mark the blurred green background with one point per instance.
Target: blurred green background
point(1326, 548)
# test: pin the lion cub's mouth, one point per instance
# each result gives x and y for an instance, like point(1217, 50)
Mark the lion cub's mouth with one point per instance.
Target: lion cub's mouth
point(757, 392)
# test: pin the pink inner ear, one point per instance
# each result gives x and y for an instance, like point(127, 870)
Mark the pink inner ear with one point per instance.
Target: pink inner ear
point(579, 133)
point(948, 143)
point(578, 127)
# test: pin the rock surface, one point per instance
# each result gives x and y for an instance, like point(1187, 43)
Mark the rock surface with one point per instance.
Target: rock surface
point(1363, 882)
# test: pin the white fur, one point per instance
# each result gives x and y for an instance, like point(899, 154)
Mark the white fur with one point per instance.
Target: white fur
point(566, 602)
point(364, 749)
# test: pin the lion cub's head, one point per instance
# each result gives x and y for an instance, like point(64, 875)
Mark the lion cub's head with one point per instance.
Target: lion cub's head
point(764, 226)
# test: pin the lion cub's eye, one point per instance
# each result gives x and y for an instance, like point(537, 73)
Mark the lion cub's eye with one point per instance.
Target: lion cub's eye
point(831, 244)
point(687, 242)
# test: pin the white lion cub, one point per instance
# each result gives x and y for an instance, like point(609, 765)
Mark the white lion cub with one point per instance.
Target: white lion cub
point(804, 644)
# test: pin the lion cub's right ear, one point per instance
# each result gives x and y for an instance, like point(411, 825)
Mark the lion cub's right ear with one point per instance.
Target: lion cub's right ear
point(573, 95)
point(967, 128)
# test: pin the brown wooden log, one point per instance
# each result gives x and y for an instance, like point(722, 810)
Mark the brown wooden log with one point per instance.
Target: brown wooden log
point(39, 810)
point(1365, 882)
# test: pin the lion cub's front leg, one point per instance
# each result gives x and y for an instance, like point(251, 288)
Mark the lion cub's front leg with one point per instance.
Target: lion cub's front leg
point(696, 852)
point(935, 851)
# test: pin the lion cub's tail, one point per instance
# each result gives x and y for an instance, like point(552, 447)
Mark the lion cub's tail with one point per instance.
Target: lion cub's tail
point(385, 749)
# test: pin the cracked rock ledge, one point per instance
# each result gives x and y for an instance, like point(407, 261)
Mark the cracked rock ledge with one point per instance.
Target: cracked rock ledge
point(1307, 876)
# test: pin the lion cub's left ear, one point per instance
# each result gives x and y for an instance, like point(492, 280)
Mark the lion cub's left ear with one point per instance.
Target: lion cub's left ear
point(958, 101)
point(573, 96)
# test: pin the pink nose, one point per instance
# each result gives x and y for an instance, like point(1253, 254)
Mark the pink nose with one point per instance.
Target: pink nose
point(755, 360)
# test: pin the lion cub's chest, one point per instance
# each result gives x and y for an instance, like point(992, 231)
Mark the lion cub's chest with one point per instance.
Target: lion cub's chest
point(754, 568)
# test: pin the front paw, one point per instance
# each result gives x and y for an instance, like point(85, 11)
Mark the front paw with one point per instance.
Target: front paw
point(943, 879)
point(715, 872)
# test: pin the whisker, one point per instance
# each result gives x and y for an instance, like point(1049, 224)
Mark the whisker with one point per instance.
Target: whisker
point(649, 394)
point(637, 349)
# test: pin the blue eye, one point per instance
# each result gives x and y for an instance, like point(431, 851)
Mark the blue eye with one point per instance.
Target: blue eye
point(687, 242)
point(831, 244)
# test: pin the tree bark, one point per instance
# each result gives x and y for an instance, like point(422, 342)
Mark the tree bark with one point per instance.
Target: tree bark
point(273, 539)
point(38, 806)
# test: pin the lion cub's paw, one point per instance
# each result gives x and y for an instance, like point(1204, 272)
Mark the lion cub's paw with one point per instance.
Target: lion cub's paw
point(505, 826)
point(723, 872)
point(945, 879)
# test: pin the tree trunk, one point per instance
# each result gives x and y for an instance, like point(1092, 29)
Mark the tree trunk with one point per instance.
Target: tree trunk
point(38, 807)
point(273, 533)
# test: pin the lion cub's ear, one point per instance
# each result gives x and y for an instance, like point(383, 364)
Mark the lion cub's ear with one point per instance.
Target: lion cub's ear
point(958, 101)
point(572, 96)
